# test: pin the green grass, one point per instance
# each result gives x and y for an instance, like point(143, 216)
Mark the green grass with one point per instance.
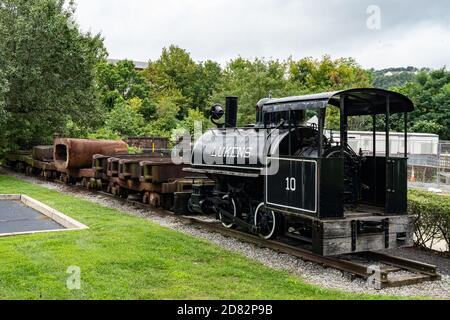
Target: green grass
point(126, 257)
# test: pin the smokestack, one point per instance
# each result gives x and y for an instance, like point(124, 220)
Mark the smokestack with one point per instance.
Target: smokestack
point(231, 111)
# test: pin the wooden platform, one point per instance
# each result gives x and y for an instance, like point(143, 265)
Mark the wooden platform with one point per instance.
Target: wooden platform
point(362, 231)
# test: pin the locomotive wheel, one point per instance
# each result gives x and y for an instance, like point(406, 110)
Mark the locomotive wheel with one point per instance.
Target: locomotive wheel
point(267, 221)
point(233, 208)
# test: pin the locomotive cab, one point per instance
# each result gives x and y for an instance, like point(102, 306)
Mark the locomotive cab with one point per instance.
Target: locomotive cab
point(370, 178)
point(286, 176)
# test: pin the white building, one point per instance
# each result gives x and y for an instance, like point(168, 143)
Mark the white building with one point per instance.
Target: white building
point(423, 144)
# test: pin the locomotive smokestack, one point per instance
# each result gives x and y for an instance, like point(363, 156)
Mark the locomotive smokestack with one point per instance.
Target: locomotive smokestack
point(231, 111)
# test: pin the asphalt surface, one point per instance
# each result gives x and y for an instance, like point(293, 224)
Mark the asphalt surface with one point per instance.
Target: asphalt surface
point(16, 217)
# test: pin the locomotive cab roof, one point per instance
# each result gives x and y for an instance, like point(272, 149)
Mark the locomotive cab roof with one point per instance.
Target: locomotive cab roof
point(361, 101)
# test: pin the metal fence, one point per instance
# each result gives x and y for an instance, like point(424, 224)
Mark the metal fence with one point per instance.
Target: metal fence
point(431, 170)
point(428, 158)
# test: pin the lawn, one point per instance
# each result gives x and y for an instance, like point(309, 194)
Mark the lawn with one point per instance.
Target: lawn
point(126, 257)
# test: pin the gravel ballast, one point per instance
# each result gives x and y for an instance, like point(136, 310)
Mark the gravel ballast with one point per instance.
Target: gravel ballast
point(311, 272)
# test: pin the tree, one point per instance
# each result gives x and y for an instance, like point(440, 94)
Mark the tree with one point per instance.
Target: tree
point(165, 119)
point(174, 70)
point(254, 80)
point(3, 90)
point(207, 78)
point(427, 126)
point(49, 65)
point(430, 92)
point(124, 120)
point(393, 77)
point(194, 116)
point(122, 82)
point(251, 81)
point(312, 75)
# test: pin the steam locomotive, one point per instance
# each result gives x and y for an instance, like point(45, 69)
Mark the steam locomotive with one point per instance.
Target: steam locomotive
point(278, 178)
point(282, 177)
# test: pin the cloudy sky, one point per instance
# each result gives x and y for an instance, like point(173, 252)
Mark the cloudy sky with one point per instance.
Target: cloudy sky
point(378, 33)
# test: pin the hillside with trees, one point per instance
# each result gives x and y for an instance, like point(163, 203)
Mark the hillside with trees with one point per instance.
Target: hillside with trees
point(430, 92)
point(395, 77)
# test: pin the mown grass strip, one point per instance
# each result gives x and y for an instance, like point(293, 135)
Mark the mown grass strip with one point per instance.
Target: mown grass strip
point(126, 257)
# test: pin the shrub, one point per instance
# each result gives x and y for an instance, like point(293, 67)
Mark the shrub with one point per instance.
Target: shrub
point(104, 133)
point(135, 150)
point(433, 217)
point(124, 120)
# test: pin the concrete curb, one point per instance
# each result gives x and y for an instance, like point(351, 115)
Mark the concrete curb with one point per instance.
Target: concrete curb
point(67, 222)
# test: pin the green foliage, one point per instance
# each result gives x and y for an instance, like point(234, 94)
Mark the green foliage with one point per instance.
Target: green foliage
point(55, 79)
point(3, 91)
point(105, 134)
point(251, 81)
point(126, 96)
point(124, 120)
point(173, 71)
point(207, 77)
point(49, 66)
point(135, 150)
point(430, 93)
point(165, 118)
point(176, 72)
point(427, 126)
point(194, 116)
point(394, 77)
point(254, 80)
point(121, 82)
point(433, 217)
point(312, 75)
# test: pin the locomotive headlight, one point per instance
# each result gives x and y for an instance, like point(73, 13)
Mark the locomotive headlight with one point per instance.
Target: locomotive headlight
point(217, 112)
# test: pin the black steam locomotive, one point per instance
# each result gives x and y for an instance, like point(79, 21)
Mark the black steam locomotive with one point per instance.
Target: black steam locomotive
point(285, 177)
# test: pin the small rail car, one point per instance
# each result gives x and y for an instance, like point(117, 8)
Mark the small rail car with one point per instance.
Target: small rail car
point(284, 178)
point(153, 177)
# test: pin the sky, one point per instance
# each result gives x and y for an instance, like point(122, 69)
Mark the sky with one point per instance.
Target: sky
point(377, 33)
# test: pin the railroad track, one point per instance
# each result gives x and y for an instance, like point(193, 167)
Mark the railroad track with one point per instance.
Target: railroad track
point(379, 269)
point(366, 266)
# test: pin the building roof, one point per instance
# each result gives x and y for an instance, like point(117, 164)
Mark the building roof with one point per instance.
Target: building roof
point(138, 65)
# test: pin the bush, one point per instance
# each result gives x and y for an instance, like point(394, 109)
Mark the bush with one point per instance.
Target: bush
point(104, 133)
point(124, 120)
point(433, 217)
point(135, 150)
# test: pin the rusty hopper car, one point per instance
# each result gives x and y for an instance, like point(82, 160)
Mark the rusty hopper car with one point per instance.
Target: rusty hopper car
point(38, 161)
point(285, 177)
point(78, 153)
point(152, 178)
point(73, 157)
